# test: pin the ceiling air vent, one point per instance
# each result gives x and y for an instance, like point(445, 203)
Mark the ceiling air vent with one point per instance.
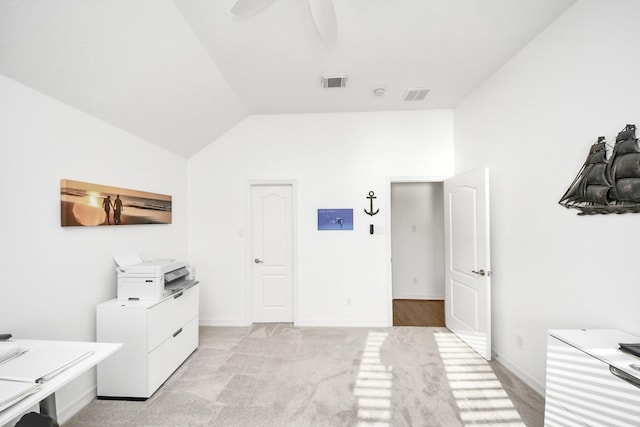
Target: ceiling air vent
point(333, 80)
point(415, 94)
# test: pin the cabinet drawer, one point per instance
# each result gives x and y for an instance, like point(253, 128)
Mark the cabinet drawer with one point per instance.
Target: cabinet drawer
point(556, 415)
point(170, 315)
point(168, 356)
point(586, 388)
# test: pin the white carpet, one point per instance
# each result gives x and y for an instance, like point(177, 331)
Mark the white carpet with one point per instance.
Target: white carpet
point(279, 375)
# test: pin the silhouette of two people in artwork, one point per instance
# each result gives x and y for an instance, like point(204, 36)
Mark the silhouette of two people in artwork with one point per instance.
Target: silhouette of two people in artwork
point(107, 205)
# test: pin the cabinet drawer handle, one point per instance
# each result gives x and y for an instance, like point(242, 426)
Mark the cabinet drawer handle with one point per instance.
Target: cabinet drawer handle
point(176, 333)
point(178, 295)
point(624, 376)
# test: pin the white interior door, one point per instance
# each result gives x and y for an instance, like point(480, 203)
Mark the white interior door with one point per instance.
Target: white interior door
point(467, 261)
point(272, 248)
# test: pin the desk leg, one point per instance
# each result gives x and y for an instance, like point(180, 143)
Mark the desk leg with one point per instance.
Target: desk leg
point(48, 406)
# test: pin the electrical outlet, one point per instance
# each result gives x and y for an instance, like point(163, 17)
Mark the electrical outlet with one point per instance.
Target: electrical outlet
point(348, 302)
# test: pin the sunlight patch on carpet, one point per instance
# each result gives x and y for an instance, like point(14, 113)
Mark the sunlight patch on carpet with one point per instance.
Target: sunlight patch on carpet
point(478, 392)
point(373, 384)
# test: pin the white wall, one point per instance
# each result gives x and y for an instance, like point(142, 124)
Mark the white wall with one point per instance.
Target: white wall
point(335, 160)
point(53, 277)
point(532, 124)
point(417, 224)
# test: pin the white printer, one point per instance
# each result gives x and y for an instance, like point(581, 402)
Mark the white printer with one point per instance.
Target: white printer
point(152, 280)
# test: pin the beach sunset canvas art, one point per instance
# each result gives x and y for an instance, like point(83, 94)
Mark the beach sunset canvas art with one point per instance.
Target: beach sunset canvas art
point(86, 204)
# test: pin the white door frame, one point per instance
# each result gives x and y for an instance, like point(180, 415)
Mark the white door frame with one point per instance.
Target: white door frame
point(249, 250)
point(395, 180)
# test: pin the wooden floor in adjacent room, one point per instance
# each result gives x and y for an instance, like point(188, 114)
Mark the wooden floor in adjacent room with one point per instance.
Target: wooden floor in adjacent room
point(415, 312)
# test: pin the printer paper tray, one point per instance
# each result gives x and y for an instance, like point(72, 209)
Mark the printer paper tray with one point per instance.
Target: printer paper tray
point(177, 287)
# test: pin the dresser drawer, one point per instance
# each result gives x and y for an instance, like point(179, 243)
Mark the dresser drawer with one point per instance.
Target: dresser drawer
point(585, 387)
point(168, 356)
point(170, 315)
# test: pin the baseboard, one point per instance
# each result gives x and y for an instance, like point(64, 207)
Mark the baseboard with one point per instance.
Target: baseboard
point(307, 323)
point(526, 378)
point(303, 323)
point(219, 322)
point(420, 297)
point(76, 406)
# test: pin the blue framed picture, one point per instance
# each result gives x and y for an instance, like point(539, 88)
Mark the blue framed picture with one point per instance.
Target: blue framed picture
point(335, 219)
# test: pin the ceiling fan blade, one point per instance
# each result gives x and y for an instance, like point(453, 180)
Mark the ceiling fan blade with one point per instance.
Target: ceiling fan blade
point(323, 15)
point(249, 7)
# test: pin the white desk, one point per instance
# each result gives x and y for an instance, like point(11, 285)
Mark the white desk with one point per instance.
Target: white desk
point(45, 396)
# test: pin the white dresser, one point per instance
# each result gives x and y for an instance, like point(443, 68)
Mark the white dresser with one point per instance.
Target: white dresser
point(590, 382)
point(157, 337)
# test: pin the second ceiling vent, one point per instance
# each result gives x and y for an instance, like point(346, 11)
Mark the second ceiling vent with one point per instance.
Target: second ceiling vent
point(415, 94)
point(333, 80)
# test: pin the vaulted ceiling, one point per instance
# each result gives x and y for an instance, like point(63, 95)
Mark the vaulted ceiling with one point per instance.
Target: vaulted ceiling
point(180, 73)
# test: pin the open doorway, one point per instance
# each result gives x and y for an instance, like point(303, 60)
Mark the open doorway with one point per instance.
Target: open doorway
point(417, 248)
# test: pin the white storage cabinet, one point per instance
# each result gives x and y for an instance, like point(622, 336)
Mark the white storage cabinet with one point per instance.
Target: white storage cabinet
point(157, 337)
point(590, 382)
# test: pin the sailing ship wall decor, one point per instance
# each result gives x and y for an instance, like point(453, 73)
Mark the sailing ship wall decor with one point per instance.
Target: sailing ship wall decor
point(608, 184)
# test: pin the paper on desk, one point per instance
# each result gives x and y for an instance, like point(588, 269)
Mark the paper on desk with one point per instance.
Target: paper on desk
point(12, 392)
point(124, 258)
point(42, 362)
point(9, 350)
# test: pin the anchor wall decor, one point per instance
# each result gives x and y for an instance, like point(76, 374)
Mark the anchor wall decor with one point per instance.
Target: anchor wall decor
point(370, 212)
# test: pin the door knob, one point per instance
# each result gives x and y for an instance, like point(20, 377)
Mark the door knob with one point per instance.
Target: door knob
point(481, 272)
point(258, 261)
